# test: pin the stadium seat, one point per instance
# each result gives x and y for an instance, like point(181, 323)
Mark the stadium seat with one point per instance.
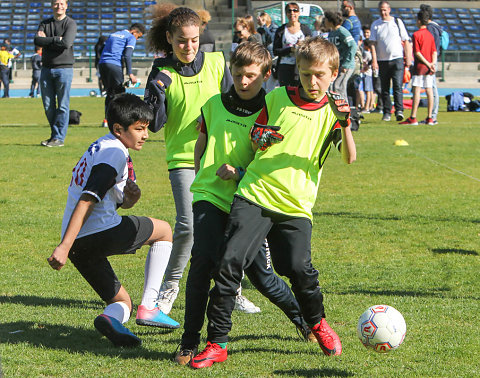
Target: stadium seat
point(471, 28)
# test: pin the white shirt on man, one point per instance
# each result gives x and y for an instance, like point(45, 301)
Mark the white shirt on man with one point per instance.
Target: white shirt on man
point(388, 38)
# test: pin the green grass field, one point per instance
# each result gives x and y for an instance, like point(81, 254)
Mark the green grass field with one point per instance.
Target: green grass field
point(400, 227)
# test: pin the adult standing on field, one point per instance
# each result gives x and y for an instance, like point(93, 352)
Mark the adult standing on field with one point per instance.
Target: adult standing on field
point(118, 46)
point(56, 36)
point(285, 43)
point(352, 22)
point(391, 41)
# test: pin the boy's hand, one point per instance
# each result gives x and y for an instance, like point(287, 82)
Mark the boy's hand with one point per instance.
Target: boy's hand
point(131, 193)
point(340, 108)
point(227, 172)
point(58, 258)
point(264, 136)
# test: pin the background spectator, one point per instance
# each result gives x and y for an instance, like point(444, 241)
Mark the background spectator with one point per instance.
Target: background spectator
point(286, 38)
point(98, 53)
point(15, 52)
point(207, 40)
point(346, 46)
point(251, 28)
point(36, 61)
point(56, 36)
point(5, 56)
point(387, 57)
point(352, 22)
point(267, 30)
point(436, 31)
point(118, 46)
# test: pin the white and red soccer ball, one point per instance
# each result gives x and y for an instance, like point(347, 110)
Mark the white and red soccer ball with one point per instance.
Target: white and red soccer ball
point(381, 328)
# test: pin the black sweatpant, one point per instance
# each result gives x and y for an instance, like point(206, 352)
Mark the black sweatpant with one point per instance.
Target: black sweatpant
point(112, 78)
point(209, 229)
point(289, 241)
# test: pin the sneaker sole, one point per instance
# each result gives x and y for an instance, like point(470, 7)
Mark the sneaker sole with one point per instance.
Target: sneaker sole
point(208, 364)
point(151, 323)
point(118, 339)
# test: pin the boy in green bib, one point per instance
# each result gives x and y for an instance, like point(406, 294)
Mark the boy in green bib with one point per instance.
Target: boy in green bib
point(222, 152)
point(275, 197)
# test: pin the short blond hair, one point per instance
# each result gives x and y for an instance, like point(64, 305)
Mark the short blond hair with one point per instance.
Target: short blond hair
point(318, 50)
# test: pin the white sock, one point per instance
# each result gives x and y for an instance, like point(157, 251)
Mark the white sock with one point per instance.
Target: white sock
point(155, 265)
point(119, 311)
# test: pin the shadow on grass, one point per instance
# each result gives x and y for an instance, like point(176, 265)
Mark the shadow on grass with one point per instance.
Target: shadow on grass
point(314, 373)
point(272, 336)
point(435, 292)
point(413, 217)
point(71, 340)
point(454, 250)
point(31, 300)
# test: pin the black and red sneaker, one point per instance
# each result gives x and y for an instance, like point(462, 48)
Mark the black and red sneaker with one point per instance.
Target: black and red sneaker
point(327, 339)
point(207, 357)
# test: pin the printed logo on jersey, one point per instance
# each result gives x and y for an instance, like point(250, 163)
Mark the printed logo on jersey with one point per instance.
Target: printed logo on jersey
point(78, 173)
point(94, 147)
point(236, 122)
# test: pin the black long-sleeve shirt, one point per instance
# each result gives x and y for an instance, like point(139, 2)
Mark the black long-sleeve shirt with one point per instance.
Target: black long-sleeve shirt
point(57, 52)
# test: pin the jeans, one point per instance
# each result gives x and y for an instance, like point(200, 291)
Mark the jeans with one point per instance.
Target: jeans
point(180, 181)
point(340, 83)
point(55, 86)
point(391, 70)
point(35, 81)
point(5, 80)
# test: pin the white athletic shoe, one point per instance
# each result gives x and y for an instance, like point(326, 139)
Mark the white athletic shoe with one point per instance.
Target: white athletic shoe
point(244, 305)
point(166, 298)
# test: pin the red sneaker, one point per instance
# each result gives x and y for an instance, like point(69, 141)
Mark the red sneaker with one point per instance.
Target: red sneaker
point(327, 339)
point(409, 121)
point(207, 357)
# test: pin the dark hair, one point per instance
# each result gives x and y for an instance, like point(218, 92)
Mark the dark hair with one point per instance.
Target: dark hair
point(427, 8)
point(138, 27)
point(423, 17)
point(294, 4)
point(334, 17)
point(126, 109)
point(367, 43)
point(351, 2)
point(365, 27)
point(380, 3)
point(248, 53)
point(37, 48)
point(168, 17)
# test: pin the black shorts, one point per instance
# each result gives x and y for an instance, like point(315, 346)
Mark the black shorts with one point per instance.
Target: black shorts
point(89, 253)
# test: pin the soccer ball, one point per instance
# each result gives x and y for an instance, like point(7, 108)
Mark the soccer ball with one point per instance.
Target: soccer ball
point(381, 328)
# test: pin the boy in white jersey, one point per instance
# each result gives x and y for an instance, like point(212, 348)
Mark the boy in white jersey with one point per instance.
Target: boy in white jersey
point(102, 181)
point(275, 197)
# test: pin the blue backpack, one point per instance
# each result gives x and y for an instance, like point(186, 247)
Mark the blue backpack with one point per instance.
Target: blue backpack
point(444, 40)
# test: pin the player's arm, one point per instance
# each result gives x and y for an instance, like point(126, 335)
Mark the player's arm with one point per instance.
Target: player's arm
point(80, 214)
point(348, 149)
point(200, 145)
point(157, 82)
point(424, 60)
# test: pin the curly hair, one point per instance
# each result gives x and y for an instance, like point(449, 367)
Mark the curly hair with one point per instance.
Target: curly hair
point(168, 17)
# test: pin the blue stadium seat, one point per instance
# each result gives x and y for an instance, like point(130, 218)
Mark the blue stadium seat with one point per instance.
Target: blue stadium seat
point(107, 15)
point(18, 27)
point(456, 27)
point(466, 47)
point(123, 15)
point(467, 21)
point(121, 21)
point(36, 5)
point(475, 10)
point(136, 9)
point(92, 22)
point(77, 16)
point(471, 28)
point(476, 41)
point(32, 27)
point(147, 3)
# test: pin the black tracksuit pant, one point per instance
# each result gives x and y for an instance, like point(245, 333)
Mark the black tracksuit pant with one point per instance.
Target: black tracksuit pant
point(289, 241)
point(209, 229)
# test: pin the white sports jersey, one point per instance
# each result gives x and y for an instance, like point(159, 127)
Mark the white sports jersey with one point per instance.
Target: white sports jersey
point(106, 150)
point(389, 38)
